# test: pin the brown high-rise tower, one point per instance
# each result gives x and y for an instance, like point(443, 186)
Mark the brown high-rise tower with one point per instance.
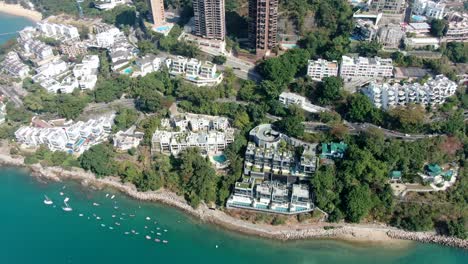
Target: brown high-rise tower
point(209, 19)
point(263, 27)
point(157, 9)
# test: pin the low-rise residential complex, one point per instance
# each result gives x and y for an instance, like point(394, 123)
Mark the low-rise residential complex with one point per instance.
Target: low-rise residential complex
point(13, 66)
point(433, 92)
point(318, 69)
point(211, 134)
point(86, 72)
point(274, 197)
point(194, 71)
point(457, 31)
point(121, 52)
point(71, 137)
point(36, 51)
point(428, 9)
point(272, 154)
point(366, 67)
point(58, 31)
point(274, 169)
point(287, 98)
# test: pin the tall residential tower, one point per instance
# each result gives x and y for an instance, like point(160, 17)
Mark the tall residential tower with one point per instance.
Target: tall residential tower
point(209, 19)
point(157, 9)
point(263, 27)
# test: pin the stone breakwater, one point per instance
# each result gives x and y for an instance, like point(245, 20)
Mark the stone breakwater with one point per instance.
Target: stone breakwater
point(425, 237)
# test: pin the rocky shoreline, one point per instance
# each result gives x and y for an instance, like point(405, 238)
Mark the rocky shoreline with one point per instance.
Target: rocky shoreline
point(349, 232)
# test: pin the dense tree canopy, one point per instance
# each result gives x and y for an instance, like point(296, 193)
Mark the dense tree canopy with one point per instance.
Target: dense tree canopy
point(99, 160)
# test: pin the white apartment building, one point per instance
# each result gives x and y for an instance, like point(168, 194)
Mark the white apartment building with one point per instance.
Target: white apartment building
point(366, 67)
point(320, 68)
point(390, 35)
point(178, 65)
point(433, 92)
point(86, 72)
point(13, 66)
point(52, 69)
point(37, 49)
point(58, 31)
point(287, 98)
point(211, 134)
point(147, 64)
point(194, 71)
point(106, 39)
point(27, 33)
point(422, 42)
point(192, 67)
point(457, 31)
point(429, 9)
point(109, 4)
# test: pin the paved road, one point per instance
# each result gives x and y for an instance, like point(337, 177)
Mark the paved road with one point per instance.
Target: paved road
point(356, 128)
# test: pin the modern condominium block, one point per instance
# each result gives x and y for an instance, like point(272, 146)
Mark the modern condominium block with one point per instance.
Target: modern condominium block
point(263, 26)
point(147, 64)
point(320, 68)
point(13, 66)
point(109, 4)
point(210, 134)
point(37, 49)
point(388, 6)
point(366, 67)
point(270, 153)
point(194, 71)
point(272, 197)
point(429, 9)
point(457, 31)
point(157, 10)
point(59, 31)
point(209, 19)
point(433, 92)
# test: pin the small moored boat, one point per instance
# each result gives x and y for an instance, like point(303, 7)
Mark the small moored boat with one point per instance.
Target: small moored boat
point(67, 208)
point(47, 200)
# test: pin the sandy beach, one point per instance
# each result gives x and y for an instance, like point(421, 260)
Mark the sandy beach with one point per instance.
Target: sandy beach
point(18, 10)
point(356, 233)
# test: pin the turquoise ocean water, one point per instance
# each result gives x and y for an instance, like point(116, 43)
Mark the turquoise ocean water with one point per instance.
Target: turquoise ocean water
point(11, 24)
point(32, 232)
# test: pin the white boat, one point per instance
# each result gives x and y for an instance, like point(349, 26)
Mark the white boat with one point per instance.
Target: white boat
point(66, 199)
point(157, 240)
point(95, 204)
point(117, 223)
point(107, 195)
point(148, 237)
point(47, 200)
point(61, 193)
point(67, 208)
point(148, 218)
point(165, 241)
point(113, 196)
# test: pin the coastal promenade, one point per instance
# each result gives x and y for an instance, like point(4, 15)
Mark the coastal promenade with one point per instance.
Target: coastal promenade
point(372, 233)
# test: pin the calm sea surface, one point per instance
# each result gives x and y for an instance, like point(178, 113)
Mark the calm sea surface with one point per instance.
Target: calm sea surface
point(115, 230)
point(10, 24)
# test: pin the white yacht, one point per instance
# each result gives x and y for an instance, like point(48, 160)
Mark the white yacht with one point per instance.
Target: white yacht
point(66, 199)
point(47, 200)
point(67, 208)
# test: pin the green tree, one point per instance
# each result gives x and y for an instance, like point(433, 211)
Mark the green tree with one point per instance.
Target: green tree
point(439, 27)
point(124, 119)
point(457, 228)
point(330, 89)
point(99, 160)
point(369, 49)
point(220, 60)
point(358, 203)
point(361, 108)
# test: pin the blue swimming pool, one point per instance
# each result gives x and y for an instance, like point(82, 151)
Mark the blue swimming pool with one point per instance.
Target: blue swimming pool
point(128, 70)
point(418, 18)
point(220, 158)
